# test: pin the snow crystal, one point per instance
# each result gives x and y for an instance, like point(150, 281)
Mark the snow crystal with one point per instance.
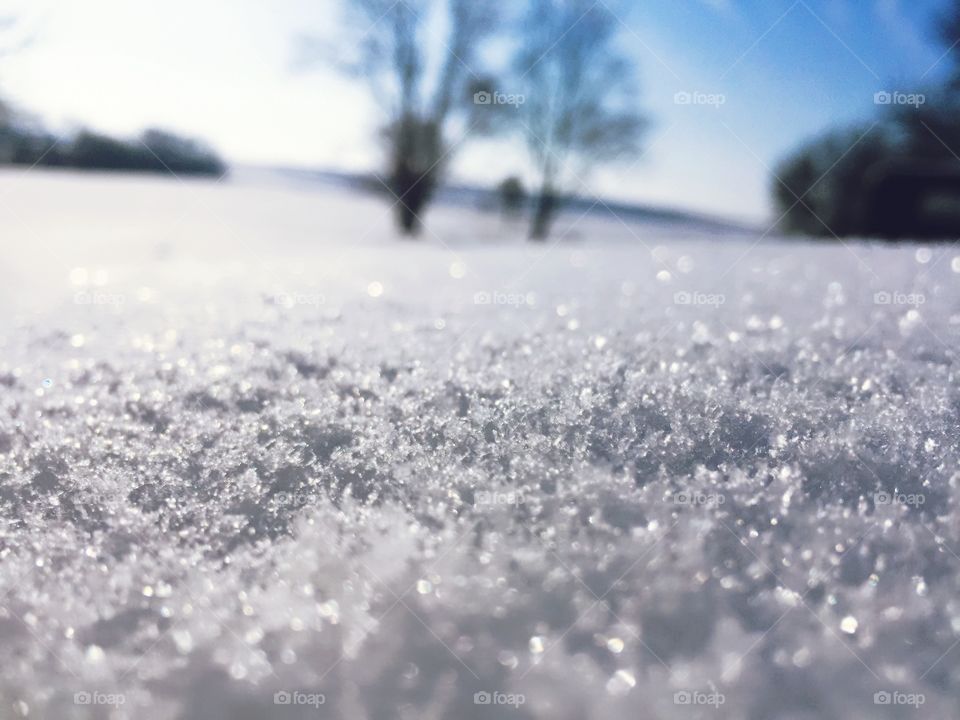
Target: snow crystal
point(614, 501)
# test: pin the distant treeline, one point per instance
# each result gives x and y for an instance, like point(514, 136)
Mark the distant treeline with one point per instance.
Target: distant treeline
point(153, 151)
point(895, 178)
point(898, 177)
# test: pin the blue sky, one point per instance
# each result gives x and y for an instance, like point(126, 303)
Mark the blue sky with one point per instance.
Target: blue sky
point(221, 69)
point(787, 69)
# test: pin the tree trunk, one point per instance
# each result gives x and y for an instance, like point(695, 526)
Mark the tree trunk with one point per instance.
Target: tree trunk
point(408, 218)
point(543, 214)
point(417, 152)
point(413, 190)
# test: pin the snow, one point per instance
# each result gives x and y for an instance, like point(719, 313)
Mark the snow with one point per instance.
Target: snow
point(258, 459)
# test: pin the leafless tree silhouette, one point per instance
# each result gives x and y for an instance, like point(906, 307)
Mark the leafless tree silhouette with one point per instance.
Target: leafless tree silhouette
point(7, 45)
point(579, 97)
point(419, 58)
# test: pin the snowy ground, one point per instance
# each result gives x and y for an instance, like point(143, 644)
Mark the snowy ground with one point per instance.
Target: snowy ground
point(253, 450)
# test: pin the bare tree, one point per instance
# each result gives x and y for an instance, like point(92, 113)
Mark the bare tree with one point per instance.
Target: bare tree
point(7, 46)
point(424, 79)
point(579, 92)
point(10, 42)
point(512, 197)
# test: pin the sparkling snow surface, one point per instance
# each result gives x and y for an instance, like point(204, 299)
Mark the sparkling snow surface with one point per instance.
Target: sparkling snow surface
point(258, 459)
